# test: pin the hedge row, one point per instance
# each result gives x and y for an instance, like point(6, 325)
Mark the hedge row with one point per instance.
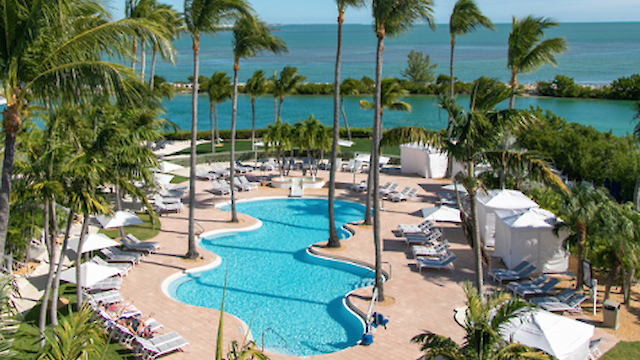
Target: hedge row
point(245, 134)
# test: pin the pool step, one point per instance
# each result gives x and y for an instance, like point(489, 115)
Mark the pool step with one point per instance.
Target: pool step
point(364, 283)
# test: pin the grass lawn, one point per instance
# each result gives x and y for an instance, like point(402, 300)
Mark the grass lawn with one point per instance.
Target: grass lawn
point(178, 179)
point(143, 231)
point(27, 338)
point(623, 350)
point(359, 146)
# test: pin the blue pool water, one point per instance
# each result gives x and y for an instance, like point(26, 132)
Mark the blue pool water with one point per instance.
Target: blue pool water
point(292, 298)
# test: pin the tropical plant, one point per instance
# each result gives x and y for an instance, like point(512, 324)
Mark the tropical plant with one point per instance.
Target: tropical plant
point(484, 326)
point(349, 87)
point(419, 68)
point(527, 50)
point(251, 36)
point(8, 323)
point(256, 86)
point(203, 17)
point(465, 18)
point(313, 136)
point(171, 22)
point(52, 53)
point(219, 88)
point(391, 17)
point(285, 84)
point(277, 137)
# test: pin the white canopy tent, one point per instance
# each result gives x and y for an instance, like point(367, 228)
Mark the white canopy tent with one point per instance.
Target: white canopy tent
point(167, 167)
point(118, 219)
point(428, 162)
point(92, 242)
point(493, 200)
point(91, 274)
point(528, 235)
point(564, 338)
point(442, 213)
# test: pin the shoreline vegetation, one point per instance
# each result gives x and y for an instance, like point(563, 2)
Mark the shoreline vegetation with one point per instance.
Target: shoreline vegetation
point(623, 88)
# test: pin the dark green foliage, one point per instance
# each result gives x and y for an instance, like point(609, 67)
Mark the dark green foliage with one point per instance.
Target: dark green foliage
point(315, 89)
point(246, 134)
point(419, 68)
point(581, 152)
point(626, 88)
point(621, 89)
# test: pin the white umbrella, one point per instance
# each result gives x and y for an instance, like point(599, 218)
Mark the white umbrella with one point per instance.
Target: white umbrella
point(91, 274)
point(345, 143)
point(442, 213)
point(167, 167)
point(452, 187)
point(163, 179)
point(119, 219)
point(92, 242)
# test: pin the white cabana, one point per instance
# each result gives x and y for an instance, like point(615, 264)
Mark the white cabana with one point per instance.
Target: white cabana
point(528, 235)
point(564, 338)
point(442, 213)
point(167, 167)
point(488, 202)
point(425, 161)
point(91, 274)
point(92, 242)
point(118, 219)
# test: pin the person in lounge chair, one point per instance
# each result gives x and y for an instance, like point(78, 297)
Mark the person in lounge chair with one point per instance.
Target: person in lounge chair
point(138, 325)
point(117, 310)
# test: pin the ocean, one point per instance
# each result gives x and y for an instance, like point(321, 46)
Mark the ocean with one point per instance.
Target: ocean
point(598, 54)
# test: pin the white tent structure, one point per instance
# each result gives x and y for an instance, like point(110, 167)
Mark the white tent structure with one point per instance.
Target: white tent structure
point(488, 202)
point(441, 213)
point(564, 338)
point(167, 167)
point(92, 242)
point(91, 274)
point(528, 235)
point(428, 162)
point(118, 219)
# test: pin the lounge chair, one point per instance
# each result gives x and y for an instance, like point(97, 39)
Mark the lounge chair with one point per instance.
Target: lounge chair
point(243, 168)
point(361, 187)
point(437, 263)
point(562, 297)
point(424, 239)
point(594, 351)
point(397, 197)
point(166, 199)
point(130, 245)
point(245, 182)
point(135, 240)
point(219, 170)
point(421, 228)
point(571, 305)
point(160, 345)
point(404, 191)
point(204, 174)
point(522, 274)
point(111, 283)
point(541, 279)
point(536, 289)
point(161, 206)
point(390, 189)
point(430, 251)
point(104, 297)
point(515, 270)
point(268, 165)
point(220, 188)
point(114, 254)
point(123, 268)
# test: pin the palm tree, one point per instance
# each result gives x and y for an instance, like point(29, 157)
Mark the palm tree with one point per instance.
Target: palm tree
point(172, 23)
point(219, 89)
point(334, 240)
point(203, 17)
point(466, 17)
point(391, 17)
point(286, 84)
point(475, 136)
point(8, 311)
point(349, 87)
point(278, 137)
point(389, 94)
point(53, 54)
point(313, 136)
point(256, 86)
point(484, 324)
point(527, 50)
point(251, 36)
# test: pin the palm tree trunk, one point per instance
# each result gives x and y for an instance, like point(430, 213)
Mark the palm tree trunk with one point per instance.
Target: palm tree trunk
point(232, 163)
point(582, 235)
point(636, 195)
point(344, 116)
point(133, 53)
point(253, 123)
point(475, 235)
point(153, 67)
point(451, 94)
point(367, 213)
point(628, 278)
point(374, 168)
point(193, 252)
point(53, 224)
point(83, 233)
point(215, 116)
point(56, 281)
point(42, 319)
point(280, 107)
point(118, 205)
point(11, 120)
point(514, 88)
point(213, 134)
point(142, 59)
point(334, 240)
point(275, 113)
point(612, 277)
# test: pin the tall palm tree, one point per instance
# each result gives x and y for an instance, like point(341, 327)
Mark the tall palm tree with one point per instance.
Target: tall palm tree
point(465, 18)
point(484, 325)
point(256, 86)
point(172, 23)
point(203, 17)
point(251, 36)
point(349, 87)
point(391, 17)
point(285, 84)
point(313, 136)
point(527, 50)
point(389, 94)
point(278, 137)
point(475, 137)
point(334, 240)
point(54, 53)
point(219, 89)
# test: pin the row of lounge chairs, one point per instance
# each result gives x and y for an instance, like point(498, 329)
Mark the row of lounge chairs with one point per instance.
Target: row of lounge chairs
point(241, 183)
point(141, 343)
point(429, 252)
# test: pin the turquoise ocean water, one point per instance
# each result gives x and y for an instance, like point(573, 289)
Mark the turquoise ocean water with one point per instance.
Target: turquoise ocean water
point(598, 54)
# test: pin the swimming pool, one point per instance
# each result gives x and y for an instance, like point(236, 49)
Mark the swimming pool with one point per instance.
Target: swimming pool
point(293, 299)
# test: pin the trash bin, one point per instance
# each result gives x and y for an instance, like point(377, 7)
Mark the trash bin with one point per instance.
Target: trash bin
point(611, 312)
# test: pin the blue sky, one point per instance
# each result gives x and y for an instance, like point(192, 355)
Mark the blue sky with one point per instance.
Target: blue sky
point(499, 11)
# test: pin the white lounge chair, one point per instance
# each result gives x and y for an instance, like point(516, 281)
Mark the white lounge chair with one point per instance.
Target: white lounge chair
point(122, 267)
point(427, 238)
point(396, 197)
point(111, 283)
point(422, 228)
point(204, 174)
point(245, 182)
point(135, 240)
point(437, 263)
point(220, 188)
point(269, 165)
point(219, 170)
point(113, 256)
point(390, 189)
point(104, 297)
point(160, 345)
point(430, 251)
point(161, 206)
point(508, 276)
point(166, 199)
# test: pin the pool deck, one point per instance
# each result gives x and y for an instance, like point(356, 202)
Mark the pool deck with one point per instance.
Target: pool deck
point(419, 301)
